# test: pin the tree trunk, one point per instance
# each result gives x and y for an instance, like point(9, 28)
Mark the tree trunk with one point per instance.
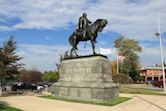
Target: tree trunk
point(0, 90)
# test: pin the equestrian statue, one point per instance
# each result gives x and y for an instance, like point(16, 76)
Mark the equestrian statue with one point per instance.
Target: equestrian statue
point(86, 31)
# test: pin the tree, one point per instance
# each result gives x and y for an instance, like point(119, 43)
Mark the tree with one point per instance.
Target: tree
point(31, 76)
point(51, 76)
point(130, 49)
point(114, 67)
point(121, 78)
point(9, 66)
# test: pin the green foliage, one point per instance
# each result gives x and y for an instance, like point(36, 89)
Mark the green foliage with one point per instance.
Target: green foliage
point(141, 91)
point(7, 108)
point(122, 78)
point(51, 76)
point(105, 103)
point(31, 76)
point(138, 77)
point(9, 67)
point(130, 49)
point(114, 67)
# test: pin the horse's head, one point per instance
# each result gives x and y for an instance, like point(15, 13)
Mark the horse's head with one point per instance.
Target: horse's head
point(101, 24)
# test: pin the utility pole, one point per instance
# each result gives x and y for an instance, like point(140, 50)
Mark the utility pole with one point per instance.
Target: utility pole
point(161, 51)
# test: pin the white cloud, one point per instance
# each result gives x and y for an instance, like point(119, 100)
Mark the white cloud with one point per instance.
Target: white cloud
point(43, 14)
point(45, 57)
point(105, 51)
point(5, 28)
point(41, 57)
point(135, 19)
point(151, 55)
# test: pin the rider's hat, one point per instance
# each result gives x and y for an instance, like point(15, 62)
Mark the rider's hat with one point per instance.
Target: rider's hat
point(84, 14)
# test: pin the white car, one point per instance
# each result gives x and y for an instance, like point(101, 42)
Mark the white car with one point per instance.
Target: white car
point(39, 88)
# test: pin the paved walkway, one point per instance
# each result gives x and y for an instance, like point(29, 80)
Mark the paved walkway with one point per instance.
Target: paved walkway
point(138, 103)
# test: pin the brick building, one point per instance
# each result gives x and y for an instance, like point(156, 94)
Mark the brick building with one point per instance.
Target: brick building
point(152, 73)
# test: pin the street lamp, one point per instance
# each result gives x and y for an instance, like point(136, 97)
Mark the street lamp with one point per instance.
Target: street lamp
point(161, 51)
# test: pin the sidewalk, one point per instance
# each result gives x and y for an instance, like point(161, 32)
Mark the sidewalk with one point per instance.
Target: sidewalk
point(138, 103)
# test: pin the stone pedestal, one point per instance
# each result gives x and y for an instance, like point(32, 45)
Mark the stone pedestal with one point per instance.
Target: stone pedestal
point(86, 78)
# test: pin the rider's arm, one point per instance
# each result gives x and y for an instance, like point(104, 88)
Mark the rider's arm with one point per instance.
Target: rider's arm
point(89, 21)
point(80, 22)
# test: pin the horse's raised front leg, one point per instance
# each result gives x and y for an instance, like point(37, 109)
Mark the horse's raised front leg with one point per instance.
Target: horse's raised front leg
point(93, 46)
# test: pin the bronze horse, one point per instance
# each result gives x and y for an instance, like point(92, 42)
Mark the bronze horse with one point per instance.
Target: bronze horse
point(91, 34)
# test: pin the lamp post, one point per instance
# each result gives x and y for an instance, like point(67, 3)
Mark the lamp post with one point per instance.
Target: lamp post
point(161, 51)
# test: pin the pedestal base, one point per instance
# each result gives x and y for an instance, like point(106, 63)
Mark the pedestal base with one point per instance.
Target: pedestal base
point(86, 78)
point(93, 91)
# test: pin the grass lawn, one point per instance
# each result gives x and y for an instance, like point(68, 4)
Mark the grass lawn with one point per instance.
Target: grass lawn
point(107, 103)
point(141, 91)
point(7, 108)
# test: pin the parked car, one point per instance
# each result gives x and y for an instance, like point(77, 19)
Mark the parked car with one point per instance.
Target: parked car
point(151, 82)
point(26, 86)
point(158, 84)
point(11, 87)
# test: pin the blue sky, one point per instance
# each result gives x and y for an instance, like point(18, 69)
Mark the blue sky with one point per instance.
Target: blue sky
point(42, 28)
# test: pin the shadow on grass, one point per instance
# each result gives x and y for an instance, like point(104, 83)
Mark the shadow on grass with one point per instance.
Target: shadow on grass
point(105, 103)
point(4, 107)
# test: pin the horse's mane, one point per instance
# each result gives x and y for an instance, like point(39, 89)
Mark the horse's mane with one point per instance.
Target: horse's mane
point(98, 20)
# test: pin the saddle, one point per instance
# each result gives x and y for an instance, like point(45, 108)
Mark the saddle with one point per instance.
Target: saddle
point(79, 32)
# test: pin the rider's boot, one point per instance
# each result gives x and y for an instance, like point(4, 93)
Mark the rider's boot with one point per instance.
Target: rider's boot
point(84, 33)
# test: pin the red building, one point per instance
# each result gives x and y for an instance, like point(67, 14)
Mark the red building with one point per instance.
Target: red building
point(152, 73)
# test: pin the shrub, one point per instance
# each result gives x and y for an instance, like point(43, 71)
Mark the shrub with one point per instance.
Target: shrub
point(122, 79)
